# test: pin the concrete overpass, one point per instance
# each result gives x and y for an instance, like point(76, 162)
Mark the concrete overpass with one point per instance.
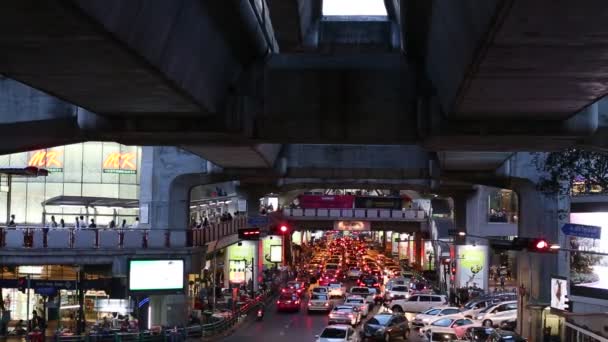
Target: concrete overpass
point(240, 78)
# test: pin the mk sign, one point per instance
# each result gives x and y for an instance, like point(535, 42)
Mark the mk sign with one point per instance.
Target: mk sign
point(117, 162)
point(44, 159)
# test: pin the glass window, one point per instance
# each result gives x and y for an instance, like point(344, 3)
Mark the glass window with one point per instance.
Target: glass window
point(379, 320)
point(19, 201)
point(91, 162)
point(128, 191)
point(72, 165)
point(435, 299)
point(425, 298)
point(502, 206)
point(35, 197)
point(432, 312)
point(443, 322)
point(3, 206)
point(333, 333)
point(450, 311)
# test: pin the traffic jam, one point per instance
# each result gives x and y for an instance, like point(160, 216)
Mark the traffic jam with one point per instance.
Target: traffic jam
point(368, 296)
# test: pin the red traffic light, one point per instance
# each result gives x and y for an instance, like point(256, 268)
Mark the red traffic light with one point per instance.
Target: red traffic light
point(542, 244)
point(283, 229)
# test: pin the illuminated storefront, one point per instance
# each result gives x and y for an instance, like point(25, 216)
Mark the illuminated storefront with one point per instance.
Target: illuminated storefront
point(91, 169)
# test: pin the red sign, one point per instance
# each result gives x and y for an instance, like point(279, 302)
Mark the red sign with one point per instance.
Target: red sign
point(327, 202)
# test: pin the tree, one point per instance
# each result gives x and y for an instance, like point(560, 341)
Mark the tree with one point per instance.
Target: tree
point(564, 169)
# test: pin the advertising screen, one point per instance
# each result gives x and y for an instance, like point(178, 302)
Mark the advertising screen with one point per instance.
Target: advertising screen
point(276, 254)
point(559, 293)
point(472, 266)
point(589, 272)
point(166, 275)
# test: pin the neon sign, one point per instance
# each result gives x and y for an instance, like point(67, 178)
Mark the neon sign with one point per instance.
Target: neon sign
point(46, 159)
point(117, 162)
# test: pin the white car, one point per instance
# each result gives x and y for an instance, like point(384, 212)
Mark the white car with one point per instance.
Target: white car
point(354, 272)
point(496, 314)
point(338, 333)
point(336, 290)
point(319, 302)
point(397, 292)
point(451, 327)
point(398, 281)
point(343, 314)
point(364, 292)
point(320, 290)
point(417, 303)
point(430, 315)
point(358, 301)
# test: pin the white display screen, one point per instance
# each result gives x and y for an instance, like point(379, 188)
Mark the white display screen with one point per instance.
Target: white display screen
point(156, 275)
point(559, 293)
point(276, 253)
point(589, 272)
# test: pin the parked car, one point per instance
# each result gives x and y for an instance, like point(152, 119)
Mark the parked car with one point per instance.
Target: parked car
point(385, 327)
point(452, 327)
point(496, 314)
point(417, 303)
point(477, 334)
point(359, 302)
point(344, 314)
point(510, 324)
point(338, 333)
point(319, 302)
point(430, 315)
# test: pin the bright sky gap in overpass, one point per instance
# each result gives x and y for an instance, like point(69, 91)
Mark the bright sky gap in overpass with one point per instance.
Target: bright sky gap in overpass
point(354, 8)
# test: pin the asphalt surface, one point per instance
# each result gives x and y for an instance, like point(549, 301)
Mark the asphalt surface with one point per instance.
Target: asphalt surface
point(294, 327)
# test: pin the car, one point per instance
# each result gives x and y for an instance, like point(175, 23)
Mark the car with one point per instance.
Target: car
point(338, 333)
point(343, 314)
point(385, 327)
point(319, 302)
point(473, 307)
point(320, 290)
point(510, 324)
point(358, 301)
point(365, 292)
point(288, 302)
point(398, 281)
point(368, 281)
point(353, 272)
point(297, 286)
point(452, 327)
point(496, 314)
point(477, 334)
point(336, 289)
point(504, 336)
point(397, 292)
point(417, 303)
point(430, 315)
point(331, 267)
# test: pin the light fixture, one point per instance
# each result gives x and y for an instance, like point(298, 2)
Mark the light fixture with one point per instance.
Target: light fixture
point(555, 246)
point(462, 233)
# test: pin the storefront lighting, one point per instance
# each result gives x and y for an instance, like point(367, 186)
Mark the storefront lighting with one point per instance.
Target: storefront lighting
point(30, 269)
point(69, 307)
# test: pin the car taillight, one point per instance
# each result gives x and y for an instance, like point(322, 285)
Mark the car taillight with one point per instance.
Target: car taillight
point(309, 303)
point(326, 304)
point(376, 284)
point(350, 316)
point(278, 302)
point(283, 290)
point(297, 302)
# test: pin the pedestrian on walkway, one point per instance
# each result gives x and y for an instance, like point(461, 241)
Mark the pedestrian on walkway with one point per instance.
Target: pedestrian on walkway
point(502, 282)
point(12, 223)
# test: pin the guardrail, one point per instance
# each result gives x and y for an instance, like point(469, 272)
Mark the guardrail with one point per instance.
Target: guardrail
point(88, 238)
point(172, 335)
point(365, 214)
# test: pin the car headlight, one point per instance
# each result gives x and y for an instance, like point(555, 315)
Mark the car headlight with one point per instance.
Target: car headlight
point(426, 320)
point(480, 317)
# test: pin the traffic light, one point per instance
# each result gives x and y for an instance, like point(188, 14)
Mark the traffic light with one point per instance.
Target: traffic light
point(541, 246)
point(22, 284)
point(249, 234)
point(283, 229)
point(567, 304)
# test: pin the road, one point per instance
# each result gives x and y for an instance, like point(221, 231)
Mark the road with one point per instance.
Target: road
point(292, 327)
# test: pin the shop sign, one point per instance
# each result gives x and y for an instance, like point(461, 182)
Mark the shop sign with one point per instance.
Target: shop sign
point(122, 163)
point(49, 160)
point(57, 284)
point(351, 225)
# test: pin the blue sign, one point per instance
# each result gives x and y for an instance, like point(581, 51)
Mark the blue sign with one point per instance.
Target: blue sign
point(581, 230)
point(46, 291)
point(257, 221)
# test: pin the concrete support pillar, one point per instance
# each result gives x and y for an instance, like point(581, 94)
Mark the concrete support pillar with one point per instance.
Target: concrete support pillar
point(168, 310)
point(167, 175)
point(539, 217)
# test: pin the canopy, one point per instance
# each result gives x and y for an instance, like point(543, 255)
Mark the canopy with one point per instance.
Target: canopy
point(92, 202)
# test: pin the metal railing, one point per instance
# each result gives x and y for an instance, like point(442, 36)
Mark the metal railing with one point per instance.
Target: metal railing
point(70, 238)
point(364, 214)
point(177, 334)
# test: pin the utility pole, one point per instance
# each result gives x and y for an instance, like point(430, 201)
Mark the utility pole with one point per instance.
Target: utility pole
point(29, 324)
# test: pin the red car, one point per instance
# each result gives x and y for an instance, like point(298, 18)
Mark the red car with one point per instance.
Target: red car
point(288, 302)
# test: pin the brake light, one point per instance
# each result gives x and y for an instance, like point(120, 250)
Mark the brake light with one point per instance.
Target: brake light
point(297, 302)
point(278, 302)
point(283, 290)
point(309, 303)
point(376, 284)
point(326, 304)
point(350, 316)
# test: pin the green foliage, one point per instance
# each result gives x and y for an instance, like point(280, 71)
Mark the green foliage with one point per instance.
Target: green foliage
point(563, 169)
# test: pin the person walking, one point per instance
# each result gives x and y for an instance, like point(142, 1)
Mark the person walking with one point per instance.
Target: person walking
point(92, 224)
point(53, 223)
point(136, 223)
point(62, 223)
point(12, 223)
point(112, 224)
point(123, 225)
point(77, 224)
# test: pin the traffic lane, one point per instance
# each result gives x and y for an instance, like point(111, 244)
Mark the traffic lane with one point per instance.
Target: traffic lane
point(282, 326)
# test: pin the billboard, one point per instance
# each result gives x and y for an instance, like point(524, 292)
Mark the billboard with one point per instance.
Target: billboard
point(472, 266)
point(559, 292)
point(589, 272)
point(326, 201)
point(156, 275)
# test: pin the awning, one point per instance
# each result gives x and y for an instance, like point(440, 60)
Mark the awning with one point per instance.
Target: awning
point(85, 201)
